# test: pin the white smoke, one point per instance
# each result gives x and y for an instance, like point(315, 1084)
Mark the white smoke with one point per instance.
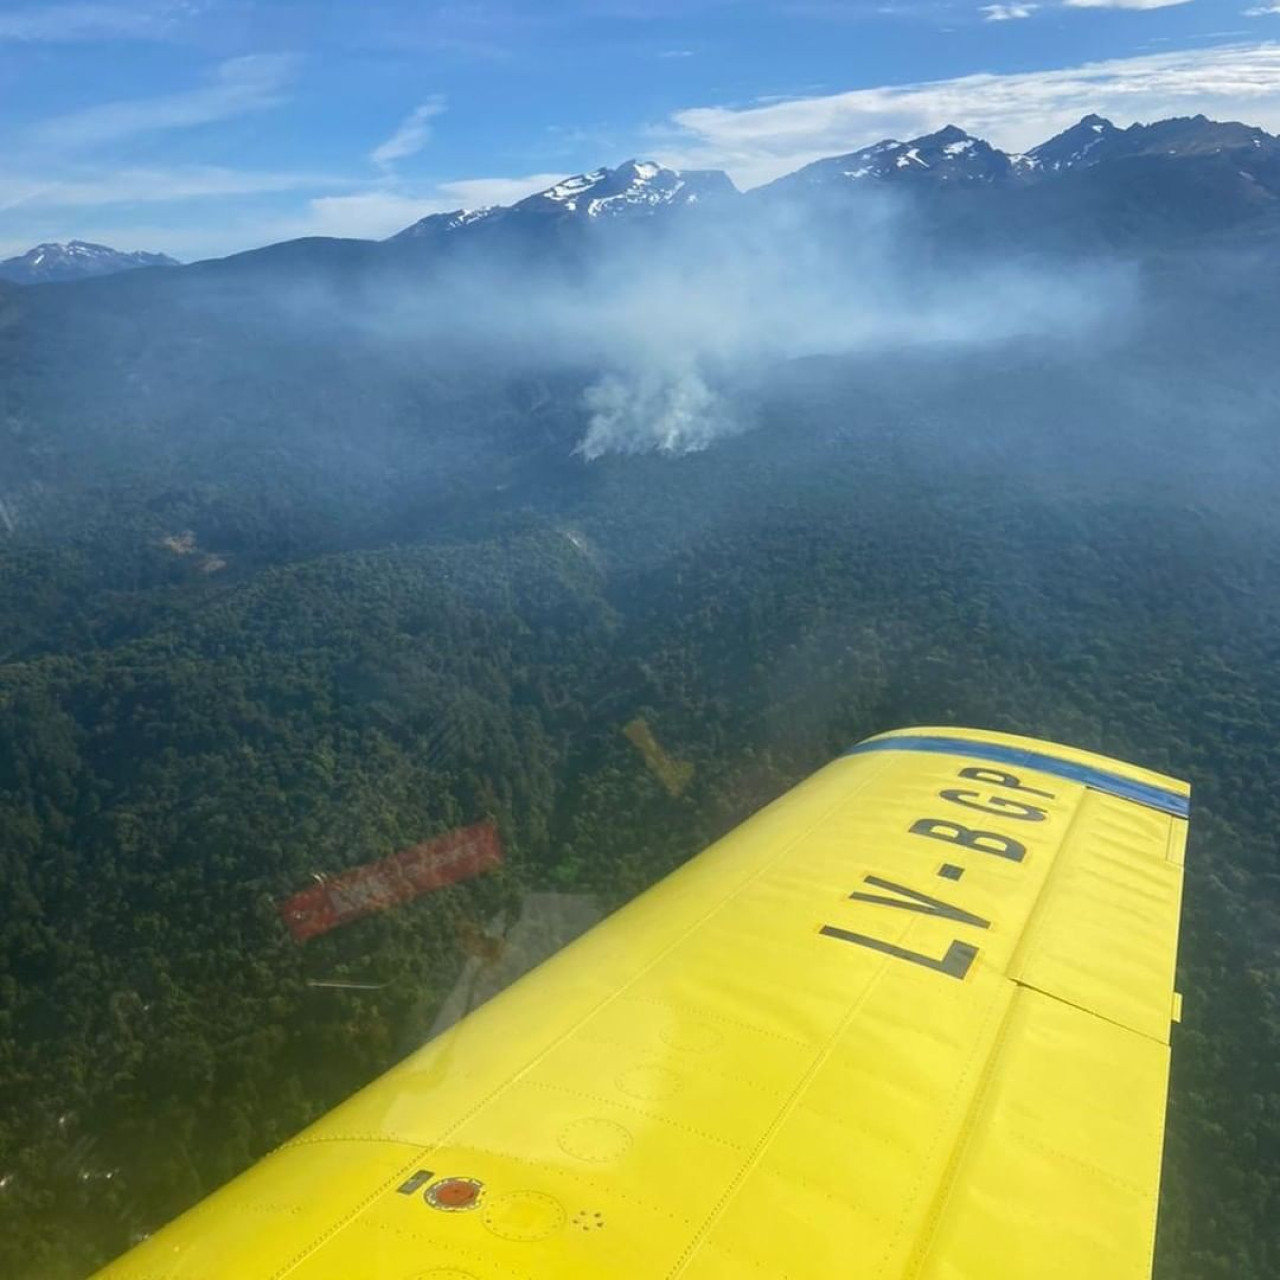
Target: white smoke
point(666, 325)
point(653, 409)
point(707, 309)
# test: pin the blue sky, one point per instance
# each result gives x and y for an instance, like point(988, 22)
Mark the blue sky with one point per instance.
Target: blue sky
point(201, 127)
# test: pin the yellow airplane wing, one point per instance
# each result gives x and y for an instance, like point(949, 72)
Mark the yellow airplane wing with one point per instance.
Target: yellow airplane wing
point(911, 1020)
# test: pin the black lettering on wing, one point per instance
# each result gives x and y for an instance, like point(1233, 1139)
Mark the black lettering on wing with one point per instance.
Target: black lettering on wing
point(956, 963)
point(906, 899)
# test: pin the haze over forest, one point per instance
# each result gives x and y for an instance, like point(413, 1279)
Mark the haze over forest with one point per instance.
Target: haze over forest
point(317, 551)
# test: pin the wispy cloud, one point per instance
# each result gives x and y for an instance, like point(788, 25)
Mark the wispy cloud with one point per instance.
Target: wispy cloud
point(149, 186)
point(1123, 4)
point(1007, 12)
point(413, 133)
point(70, 23)
point(368, 215)
point(255, 82)
point(757, 143)
point(1262, 10)
point(480, 193)
point(374, 215)
point(676, 53)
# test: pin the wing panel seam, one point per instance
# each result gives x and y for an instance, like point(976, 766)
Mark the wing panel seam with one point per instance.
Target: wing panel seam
point(762, 1144)
point(942, 1192)
point(1093, 1013)
point(719, 905)
point(613, 996)
point(1040, 907)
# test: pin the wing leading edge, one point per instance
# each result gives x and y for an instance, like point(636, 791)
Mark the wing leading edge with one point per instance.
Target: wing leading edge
point(910, 1020)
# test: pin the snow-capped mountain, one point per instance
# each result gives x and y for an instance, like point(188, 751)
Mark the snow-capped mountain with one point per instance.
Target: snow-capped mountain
point(1189, 172)
point(439, 224)
point(1096, 141)
point(952, 157)
point(948, 156)
point(1083, 144)
point(75, 260)
point(637, 188)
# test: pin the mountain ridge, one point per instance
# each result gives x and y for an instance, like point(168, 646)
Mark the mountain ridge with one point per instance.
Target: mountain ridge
point(1166, 179)
point(634, 187)
point(1093, 140)
point(52, 262)
point(1243, 161)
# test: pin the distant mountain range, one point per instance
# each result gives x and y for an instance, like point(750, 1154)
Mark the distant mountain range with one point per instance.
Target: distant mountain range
point(1193, 174)
point(953, 156)
point(1094, 185)
point(76, 260)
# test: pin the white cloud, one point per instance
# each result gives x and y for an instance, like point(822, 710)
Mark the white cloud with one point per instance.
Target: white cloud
point(1123, 4)
point(480, 193)
point(676, 53)
point(758, 143)
point(1007, 12)
point(148, 186)
point(1262, 10)
point(412, 135)
point(374, 215)
point(368, 215)
point(68, 23)
point(255, 82)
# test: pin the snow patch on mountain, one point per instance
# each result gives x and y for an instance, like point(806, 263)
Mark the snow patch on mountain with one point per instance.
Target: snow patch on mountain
point(76, 260)
point(1074, 148)
point(636, 188)
point(948, 156)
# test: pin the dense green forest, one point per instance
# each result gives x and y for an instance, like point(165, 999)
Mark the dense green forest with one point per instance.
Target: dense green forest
point(190, 750)
point(243, 648)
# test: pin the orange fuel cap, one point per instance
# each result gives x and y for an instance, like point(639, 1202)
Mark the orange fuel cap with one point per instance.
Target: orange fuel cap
point(454, 1194)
